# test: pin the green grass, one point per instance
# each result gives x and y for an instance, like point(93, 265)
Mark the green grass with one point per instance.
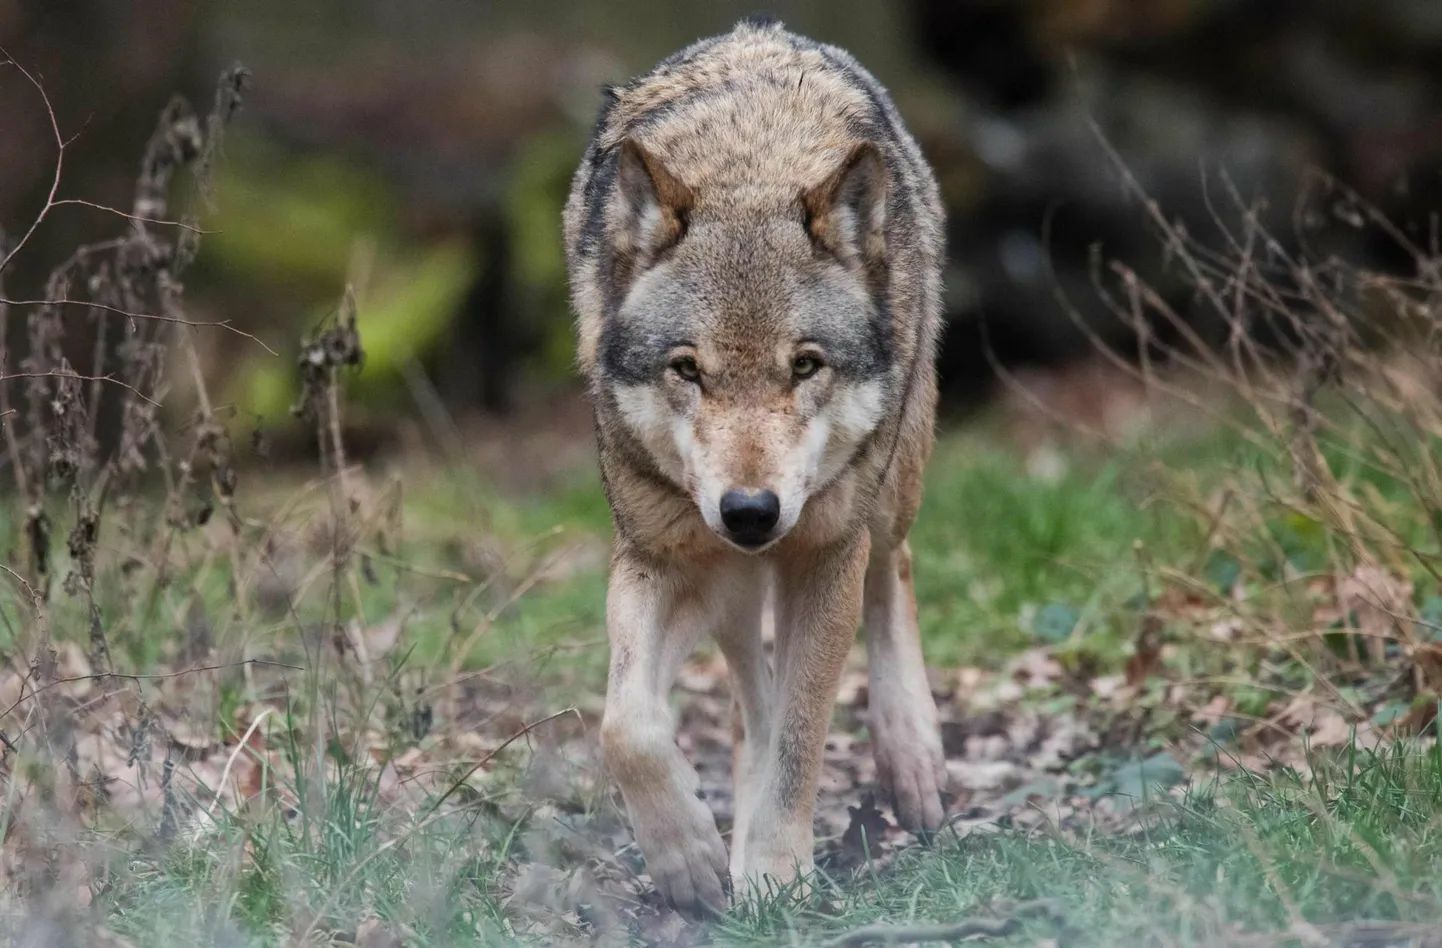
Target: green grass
point(1357, 838)
point(1360, 838)
point(1003, 560)
point(254, 879)
point(990, 541)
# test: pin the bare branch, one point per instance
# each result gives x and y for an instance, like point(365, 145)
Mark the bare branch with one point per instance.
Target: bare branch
point(128, 314)
point(57, 374)
point(60, 145)
point(139, 678)
point(130, 217)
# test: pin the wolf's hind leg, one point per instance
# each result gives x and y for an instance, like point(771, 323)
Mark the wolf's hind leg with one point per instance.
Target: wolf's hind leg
point(905, 733)
point(654, 621)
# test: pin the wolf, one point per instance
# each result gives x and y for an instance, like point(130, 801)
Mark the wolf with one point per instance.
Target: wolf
point(754, 246)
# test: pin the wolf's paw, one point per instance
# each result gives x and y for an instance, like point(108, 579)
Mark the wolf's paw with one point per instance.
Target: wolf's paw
point(686, 858)
point(774, 868)
point(910, 765)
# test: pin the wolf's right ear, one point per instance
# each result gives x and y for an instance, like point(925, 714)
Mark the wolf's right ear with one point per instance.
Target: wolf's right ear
point(651, 211)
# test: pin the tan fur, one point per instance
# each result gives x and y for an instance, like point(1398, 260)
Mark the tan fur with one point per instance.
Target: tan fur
point(746, 207)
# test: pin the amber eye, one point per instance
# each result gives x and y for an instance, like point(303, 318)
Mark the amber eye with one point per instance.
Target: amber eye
point(685, 366)
point(805, 366)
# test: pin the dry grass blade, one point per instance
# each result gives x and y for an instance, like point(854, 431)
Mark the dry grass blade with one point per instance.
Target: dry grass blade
point(432, 814)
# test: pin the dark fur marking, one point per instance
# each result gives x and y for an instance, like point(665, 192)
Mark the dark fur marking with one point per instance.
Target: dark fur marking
point(879, 340)
point(791, 754)
point(867, 358)
point(693, 97)
point(598, 189)
point(610, 98)
point(620, 661)
point(623, 358)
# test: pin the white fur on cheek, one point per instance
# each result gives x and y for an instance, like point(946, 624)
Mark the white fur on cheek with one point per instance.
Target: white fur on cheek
point(666, 435)
point(813, 447)
point(847, 420)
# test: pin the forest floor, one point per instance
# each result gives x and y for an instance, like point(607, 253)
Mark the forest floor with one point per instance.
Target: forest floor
point(361, 709)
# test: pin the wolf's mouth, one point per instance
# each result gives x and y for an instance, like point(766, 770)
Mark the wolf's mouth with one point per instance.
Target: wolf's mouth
point(751, 542)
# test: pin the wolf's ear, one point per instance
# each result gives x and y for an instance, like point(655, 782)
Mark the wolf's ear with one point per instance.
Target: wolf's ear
point(846, 213)
point(652, 210)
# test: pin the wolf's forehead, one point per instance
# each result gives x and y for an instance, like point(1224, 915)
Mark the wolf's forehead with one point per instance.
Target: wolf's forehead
point(725, 316)
point(750, 320)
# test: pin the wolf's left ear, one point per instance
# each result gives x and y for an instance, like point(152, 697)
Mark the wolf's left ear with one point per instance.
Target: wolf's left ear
point(846, 214)
point(652, 208)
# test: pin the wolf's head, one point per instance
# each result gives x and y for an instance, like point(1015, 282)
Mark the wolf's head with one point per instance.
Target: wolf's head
point(748, 348)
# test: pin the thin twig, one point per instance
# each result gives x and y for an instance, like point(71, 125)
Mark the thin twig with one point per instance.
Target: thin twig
point(58, 374)
point(230, 761)
point(60, 144)
point(953, 932)
point(139, 678)
point(500, 747)
point(157, 317)
point(133, 218)
point(432, 815)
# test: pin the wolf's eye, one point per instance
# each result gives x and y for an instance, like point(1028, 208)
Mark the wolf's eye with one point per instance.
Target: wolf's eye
point(685, 367)
point(805, 366)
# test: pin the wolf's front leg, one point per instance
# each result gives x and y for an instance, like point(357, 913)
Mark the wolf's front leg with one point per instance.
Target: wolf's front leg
point(905, 735)
point(818, 608)
point(752, 701)
point(654, 620)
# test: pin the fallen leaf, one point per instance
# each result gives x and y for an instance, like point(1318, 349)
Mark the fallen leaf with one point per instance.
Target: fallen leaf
point(1141, 779)
point(1329, 729)
point(1378, 599)
point(376, 641)
point(1223, 570)
point(373, 933)
point(1043, 789)
point(1428, 627)
point(251, 780)
point(992, 776)
point(1055, 622)
point(1035, 668)
point(864, 834)
point(1146, 657)
point(1213, 711)
point(1322, 726)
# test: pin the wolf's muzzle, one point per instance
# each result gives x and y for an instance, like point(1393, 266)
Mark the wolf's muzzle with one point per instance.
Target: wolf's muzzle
point(750, 515)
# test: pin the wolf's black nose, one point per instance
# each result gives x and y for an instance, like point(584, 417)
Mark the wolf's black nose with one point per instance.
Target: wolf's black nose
point(750, 515)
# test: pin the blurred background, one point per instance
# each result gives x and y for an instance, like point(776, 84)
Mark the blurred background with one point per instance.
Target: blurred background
point(422, 151)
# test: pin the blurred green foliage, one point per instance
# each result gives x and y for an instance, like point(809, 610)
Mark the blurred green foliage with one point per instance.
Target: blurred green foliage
point(540, 180)
point(301, 226)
